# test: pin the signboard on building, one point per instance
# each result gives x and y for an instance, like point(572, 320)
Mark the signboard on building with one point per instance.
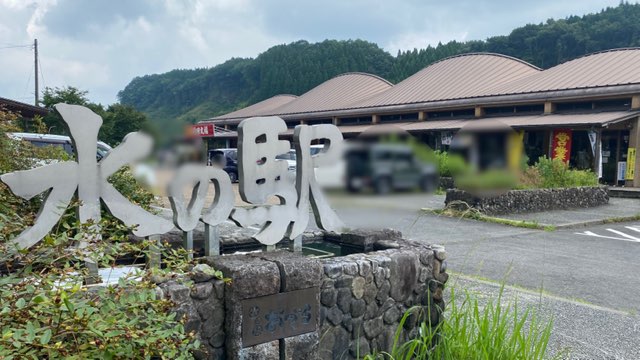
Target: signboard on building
point(201, 130)
point(622, 170)
point(631, 164)
point(446, 137)
point(561, 145)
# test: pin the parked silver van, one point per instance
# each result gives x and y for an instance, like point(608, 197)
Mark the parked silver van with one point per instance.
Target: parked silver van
point(62, 141)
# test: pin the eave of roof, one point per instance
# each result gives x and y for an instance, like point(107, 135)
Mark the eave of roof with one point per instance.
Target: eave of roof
point(506, 93)
point(20, 106)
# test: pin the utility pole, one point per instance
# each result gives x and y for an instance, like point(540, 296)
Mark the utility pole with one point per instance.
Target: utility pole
point(35, 63)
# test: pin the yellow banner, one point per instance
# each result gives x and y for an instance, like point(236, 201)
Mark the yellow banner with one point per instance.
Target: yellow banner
point(516, 148)
point(631, 164)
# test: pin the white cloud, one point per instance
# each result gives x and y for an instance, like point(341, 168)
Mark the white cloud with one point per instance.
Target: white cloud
point(100, 46)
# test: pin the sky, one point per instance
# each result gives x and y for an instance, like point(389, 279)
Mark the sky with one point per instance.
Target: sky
point(101, 45)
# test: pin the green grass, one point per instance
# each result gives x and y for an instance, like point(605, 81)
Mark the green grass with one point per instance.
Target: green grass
point(495, 330)
point(621, 219)
point(477, 215)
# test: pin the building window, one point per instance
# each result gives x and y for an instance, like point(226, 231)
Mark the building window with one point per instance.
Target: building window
point(514, 110)
point(574, 107)
point(319, 121)
point(452, 114)
point(355, 120)
point(398, 117)
point(615, 104)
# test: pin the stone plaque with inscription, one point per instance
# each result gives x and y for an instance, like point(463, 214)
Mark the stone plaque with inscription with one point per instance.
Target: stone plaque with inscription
point(278, 316)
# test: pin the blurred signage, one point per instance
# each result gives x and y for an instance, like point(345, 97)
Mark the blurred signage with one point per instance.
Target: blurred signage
point(631, 164)
point(446, 137)
point(622, 170)
point(561, 145)
point(279, 316)
point(201, 130)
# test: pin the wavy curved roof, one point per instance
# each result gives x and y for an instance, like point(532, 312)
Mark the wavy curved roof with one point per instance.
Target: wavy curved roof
point(606, 68)
point(340, 92)
point(461, 76)
point(257, 109)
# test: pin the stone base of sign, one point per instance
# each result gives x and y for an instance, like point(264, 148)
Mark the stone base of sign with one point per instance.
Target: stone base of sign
point(535, 200)
point(361, 298)
point(446, 183)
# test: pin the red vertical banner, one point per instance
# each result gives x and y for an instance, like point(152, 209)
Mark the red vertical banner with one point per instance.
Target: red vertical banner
point(561, 145)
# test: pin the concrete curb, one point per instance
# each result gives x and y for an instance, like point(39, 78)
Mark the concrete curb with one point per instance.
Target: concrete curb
point(542, 226)
point(598, 222)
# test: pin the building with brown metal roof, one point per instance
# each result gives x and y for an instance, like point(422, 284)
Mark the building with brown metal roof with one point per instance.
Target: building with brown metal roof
point(594, 99)
point(27, 111)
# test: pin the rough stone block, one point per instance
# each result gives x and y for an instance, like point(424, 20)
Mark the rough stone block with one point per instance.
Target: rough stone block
point(334, 343)
point(344, 300)
point(202, 291)
point(328, 297)
point(404, 269)
point(244, 272)
point(332, 269)
point(357, 287)
point(373, 327)
point(365, 239)
point(303, 346)
point(359, 348)
point(297, 271)
point(266, 351)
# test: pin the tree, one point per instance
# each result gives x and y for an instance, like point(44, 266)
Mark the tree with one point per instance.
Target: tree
point(67, 95)
point(119, 120)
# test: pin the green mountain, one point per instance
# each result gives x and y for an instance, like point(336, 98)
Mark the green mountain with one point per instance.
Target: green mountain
point(185, 96)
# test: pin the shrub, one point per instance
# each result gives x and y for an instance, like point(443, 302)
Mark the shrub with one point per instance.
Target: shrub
point(45, 311)
point(487, 180)
point(451, 165)
point(557, 174)
point(494, 330)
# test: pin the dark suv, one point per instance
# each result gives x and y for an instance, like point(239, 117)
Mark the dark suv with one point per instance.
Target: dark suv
point(226, 159)
point(387, 167)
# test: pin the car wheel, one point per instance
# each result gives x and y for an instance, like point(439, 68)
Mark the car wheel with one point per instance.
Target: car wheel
point(382, 186)
point(233, 176)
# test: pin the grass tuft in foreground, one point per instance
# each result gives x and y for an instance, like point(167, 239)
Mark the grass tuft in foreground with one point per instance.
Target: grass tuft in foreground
point(470, 330)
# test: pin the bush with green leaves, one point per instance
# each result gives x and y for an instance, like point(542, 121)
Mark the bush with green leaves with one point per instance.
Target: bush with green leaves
point(487, 180)
point(451, 165)
point(45, 310)
point(473, 330)
point(556, 174)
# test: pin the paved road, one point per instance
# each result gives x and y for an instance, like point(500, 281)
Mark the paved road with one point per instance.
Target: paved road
point(595, 269)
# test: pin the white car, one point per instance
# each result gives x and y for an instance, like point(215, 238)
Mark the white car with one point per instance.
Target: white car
point(62, 141)
point(327, 176)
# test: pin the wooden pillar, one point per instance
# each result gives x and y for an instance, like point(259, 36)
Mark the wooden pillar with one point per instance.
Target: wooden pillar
point(479, 111)
point(422, 116)
point(634, 143)
point(335, 120)
point(550, 144)
point(549, 107)
point(635, 102)
point(375, 119)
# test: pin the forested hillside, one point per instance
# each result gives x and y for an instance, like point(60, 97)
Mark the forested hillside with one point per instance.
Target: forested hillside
point(181, 96)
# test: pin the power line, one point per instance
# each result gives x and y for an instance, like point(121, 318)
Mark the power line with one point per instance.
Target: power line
point(28, 82)
point(44, 84)
point(16, 46)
